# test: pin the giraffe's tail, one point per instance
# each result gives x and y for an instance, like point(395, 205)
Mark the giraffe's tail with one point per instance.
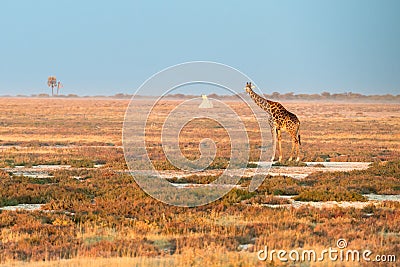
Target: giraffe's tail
point(298, 135)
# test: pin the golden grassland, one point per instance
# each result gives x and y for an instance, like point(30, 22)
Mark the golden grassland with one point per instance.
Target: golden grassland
point(104, 219)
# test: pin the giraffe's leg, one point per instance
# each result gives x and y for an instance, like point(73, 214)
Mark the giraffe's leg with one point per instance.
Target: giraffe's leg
point(279, 138)
point(273, 135)
point(293, 148)
point(298, 147)
point(295, 145)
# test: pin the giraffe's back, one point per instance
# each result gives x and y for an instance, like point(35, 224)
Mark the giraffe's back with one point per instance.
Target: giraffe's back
point(283, 118)
point(292, 122)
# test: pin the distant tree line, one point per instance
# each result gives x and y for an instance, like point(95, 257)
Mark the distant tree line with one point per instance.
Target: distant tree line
point(348, 96)
point(324, 96)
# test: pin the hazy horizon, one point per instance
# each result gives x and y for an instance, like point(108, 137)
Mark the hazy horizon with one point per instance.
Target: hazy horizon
point(193, 93)
point(105, 48)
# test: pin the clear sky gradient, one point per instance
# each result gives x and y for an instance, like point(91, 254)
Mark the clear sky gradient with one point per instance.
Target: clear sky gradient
point(108, 47)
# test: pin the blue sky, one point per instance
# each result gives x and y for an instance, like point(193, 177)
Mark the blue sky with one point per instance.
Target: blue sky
point(108, 47)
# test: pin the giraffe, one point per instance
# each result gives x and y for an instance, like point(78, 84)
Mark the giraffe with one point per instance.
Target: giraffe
point(279, 120)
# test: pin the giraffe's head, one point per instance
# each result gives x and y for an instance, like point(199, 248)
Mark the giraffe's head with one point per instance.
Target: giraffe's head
point(249, 87)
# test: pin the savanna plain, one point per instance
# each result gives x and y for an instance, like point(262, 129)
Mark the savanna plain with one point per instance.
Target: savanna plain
point(65, 158)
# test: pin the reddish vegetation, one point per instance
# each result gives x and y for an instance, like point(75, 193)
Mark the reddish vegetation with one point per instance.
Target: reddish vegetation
point(103, 212)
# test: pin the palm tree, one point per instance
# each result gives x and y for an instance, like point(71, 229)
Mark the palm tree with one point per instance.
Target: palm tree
point(59, 86)
point(52, 82)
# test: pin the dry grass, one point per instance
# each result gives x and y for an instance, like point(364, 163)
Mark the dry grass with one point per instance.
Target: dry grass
point(106, 217)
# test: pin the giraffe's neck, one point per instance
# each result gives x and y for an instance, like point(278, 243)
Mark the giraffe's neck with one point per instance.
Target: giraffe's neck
point(260, 101)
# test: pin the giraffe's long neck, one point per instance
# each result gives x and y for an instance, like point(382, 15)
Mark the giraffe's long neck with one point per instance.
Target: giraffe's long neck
point(260, 101)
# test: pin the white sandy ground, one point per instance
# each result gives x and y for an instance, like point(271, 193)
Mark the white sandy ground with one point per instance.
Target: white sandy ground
point(30, 207)
point(294, 172)
point(372, 199)
point(40, 171)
